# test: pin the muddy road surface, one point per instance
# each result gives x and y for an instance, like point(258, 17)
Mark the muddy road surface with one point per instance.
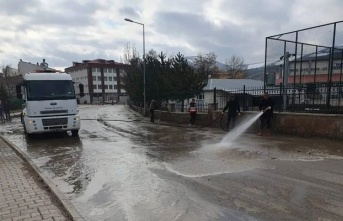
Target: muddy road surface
point(122, 167)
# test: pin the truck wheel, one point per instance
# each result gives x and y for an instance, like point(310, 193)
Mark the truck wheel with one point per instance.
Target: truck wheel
point(75, 132)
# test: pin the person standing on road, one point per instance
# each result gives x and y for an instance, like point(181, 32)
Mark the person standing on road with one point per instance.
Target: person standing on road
point(7, 109)
point(152, 109)
point(266, 105)
point(1, 111)
point(233, 110)
point(192, 109)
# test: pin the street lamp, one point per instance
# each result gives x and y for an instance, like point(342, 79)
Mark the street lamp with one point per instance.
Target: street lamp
point(129, 20)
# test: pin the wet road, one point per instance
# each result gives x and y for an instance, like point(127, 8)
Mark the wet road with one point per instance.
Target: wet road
point(123, 168)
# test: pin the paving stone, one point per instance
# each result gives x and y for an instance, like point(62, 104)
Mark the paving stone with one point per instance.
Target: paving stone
point(21, 196)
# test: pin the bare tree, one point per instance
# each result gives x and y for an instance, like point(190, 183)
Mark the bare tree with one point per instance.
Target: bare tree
point(6, 71)
point(235, 67)
point(130, 52)
point(206, 64)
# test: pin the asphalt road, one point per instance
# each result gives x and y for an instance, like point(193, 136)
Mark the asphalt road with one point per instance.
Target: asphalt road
point(122, 167)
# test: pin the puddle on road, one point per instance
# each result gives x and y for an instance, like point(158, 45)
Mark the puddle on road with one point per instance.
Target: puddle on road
point(110, 171)
point(214, 168)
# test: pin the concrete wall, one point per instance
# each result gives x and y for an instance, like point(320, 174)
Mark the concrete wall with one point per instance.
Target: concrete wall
point(309, 125)
point(175, 117)
point(305, 125)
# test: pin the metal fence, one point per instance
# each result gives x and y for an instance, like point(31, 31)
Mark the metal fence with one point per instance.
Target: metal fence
point(201, 107)
point(298, 98)
point(306, 57)
point(310, 98)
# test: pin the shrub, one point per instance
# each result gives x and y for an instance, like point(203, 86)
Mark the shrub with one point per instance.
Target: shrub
point(16, 104)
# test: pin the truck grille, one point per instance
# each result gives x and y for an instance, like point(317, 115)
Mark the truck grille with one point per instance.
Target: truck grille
point(54, 112)
point(55, 121)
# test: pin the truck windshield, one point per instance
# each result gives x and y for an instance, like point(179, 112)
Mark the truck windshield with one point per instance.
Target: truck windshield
point(50, 90)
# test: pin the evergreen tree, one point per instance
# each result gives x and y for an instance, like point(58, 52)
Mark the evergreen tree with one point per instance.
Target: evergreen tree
point(166, 78)
point(181, 78)
point(133, 80)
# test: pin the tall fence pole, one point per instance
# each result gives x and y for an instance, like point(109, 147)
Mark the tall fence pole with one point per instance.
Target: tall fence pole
point(331, 65)
point(265, 66)
point(244, 97)
point(281, 89)
point(215, 98)
point(285, 81)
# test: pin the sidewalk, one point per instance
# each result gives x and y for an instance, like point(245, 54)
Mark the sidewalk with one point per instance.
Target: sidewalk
point(23, 196)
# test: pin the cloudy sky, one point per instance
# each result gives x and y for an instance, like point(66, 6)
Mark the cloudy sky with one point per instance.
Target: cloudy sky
point(63, 31)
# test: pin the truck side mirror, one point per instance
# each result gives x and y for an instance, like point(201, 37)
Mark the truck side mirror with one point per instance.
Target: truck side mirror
point(18, 91)
point(81, 90)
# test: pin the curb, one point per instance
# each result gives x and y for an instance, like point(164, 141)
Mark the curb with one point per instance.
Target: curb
point(64, 202)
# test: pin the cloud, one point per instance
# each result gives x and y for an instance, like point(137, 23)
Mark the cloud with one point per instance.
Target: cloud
point(17, 7)
point(130, 12)
point(65, 31)
point(229, 38)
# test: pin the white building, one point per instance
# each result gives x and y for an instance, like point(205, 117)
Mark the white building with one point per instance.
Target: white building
point(227, 87)
point(28, 67)
point(102, 80)
point(11, 72)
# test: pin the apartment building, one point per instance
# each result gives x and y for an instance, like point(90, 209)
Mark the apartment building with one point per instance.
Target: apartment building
point(314, 68)
point(102, 80)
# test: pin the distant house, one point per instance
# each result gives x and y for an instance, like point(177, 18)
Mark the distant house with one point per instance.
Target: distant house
point(227, 87)
point(11, 72)
point(102, 80)
point(28, 67)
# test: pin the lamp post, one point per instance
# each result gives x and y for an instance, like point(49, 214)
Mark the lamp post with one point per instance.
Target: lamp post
point(129, 20)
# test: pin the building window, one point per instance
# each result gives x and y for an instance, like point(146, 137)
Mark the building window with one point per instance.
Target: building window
point(106, 86)
point(94, 70)
point(94, 78)
point(99, 78)
point(115, 87)
point(105, 78)
point(110, 78)
point(115, 78)
point(111, 86)
point(200, 97)
point(99, 86)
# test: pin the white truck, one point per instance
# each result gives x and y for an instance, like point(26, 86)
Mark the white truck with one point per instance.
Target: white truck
point(49, 103)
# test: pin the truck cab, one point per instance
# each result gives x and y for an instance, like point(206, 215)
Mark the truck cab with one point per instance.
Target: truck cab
point(49, 103)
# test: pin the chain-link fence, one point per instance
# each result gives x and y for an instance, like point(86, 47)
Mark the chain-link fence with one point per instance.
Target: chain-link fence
point(309, 58)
